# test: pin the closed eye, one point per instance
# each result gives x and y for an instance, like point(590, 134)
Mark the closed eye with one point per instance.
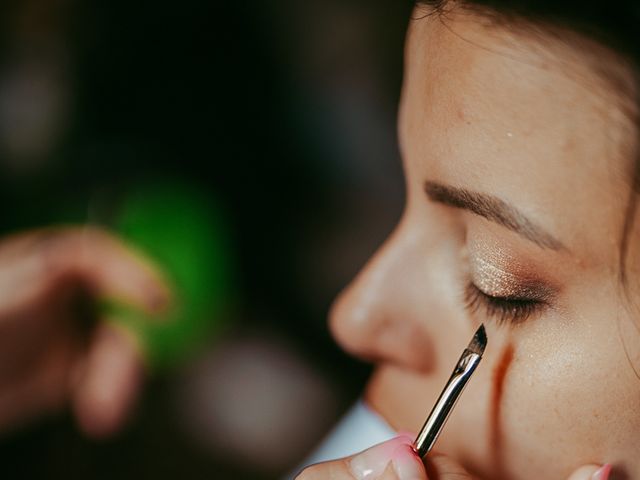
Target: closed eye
point(513, 310)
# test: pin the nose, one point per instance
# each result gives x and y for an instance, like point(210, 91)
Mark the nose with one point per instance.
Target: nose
point(383, 315)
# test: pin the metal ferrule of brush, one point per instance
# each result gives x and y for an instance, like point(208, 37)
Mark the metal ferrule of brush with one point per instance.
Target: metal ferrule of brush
point(447, 400)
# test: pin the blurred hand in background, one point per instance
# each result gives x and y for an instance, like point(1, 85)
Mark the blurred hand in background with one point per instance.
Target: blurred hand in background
point(54, 352)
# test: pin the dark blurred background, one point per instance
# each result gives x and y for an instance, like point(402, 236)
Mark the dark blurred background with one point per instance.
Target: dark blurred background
point(283, 113)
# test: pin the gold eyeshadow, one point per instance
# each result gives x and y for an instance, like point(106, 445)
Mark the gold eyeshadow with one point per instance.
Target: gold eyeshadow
point(496, 273)
point(496, 282)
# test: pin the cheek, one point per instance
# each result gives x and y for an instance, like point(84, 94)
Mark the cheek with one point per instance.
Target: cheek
point(561, 403)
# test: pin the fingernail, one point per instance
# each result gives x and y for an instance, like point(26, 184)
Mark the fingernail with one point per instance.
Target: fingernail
point(407, 464)
point(602, 473)
point(372, 463)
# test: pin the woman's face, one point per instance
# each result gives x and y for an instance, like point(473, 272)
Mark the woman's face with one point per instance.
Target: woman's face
point(516, 163)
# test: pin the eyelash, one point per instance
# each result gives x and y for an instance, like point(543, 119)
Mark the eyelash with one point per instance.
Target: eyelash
point(502, 309)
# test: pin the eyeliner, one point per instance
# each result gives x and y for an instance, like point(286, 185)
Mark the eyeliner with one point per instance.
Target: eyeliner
point(462, 372)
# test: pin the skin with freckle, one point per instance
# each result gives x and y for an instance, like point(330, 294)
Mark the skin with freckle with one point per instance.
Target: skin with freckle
point(532, 124)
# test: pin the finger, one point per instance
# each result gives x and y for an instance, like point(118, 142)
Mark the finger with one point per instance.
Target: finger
point(109, 382)
point(34, 263)
point(392, 460)
point(591, 472)
point(23, 275)
point(443, 467)
point(110, 268)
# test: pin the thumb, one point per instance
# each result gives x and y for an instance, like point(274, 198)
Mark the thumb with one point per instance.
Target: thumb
point(391, 460)
point(592, 472)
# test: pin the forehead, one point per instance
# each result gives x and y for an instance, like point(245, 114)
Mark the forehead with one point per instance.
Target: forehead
point(529, 122)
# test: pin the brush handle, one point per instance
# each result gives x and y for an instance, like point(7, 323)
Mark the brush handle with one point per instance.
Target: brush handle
point(447, 400)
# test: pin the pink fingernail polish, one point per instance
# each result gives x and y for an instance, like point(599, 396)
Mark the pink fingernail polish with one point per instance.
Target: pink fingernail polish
point(407, 464)
point(372, 463)
point(603, 473)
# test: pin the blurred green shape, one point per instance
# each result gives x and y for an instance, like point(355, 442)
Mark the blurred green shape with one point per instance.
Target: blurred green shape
point(180, 230)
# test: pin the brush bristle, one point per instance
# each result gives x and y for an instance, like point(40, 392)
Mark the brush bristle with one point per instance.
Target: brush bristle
point(479, 341)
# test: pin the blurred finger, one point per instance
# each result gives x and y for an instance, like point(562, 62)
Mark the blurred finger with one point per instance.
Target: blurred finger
point(109, 267)
point(34, 263)
point(109, 381)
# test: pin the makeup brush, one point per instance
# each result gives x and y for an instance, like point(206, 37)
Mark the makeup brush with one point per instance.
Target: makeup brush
point(465, 367)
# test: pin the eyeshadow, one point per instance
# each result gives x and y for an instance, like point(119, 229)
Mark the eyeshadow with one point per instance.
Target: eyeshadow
point(496, 282)
point(497, 273)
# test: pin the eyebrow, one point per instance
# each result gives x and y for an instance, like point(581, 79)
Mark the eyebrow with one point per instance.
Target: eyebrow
point(493, 209)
